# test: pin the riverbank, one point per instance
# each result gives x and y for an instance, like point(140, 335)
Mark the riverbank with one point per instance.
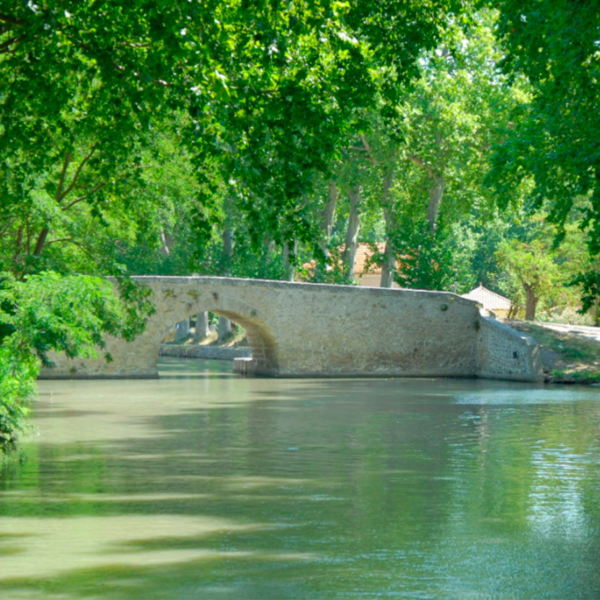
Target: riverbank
point(570, 353)
point(204, 352)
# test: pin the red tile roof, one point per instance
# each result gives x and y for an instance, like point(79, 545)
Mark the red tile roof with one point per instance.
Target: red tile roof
point(364, 253)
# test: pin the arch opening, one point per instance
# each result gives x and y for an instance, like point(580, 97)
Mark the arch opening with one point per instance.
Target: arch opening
point(263, 359)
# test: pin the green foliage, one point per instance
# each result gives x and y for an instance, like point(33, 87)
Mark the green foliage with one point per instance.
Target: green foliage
point(422, 263)
point(271, 89)
point(554, 140)
point(540, 270)
point(52, 313)
point(17, 389)
point(447, 122)
point(293, 90)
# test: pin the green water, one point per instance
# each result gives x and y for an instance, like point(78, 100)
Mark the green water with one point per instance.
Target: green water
point(202, 485)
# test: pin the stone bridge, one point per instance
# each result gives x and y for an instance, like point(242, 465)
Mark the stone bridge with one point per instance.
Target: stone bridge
point(315, 330)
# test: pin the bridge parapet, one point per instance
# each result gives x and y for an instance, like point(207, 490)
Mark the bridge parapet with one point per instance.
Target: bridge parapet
point(316, 330)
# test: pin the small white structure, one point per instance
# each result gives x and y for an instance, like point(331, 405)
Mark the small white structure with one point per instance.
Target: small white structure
point(491, 302)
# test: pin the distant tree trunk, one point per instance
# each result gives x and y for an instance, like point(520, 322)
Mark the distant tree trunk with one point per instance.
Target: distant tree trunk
point(224, 328)
point(596, 312)
point(435, 201)
point(39, 246)
point(226, 261)
point(164, 245)
point(290, 267)
point(202, 328)
point(436, 191)
point(388, 267)
point(227, 258)
point(183, 328)
point(328, 218)
point(352, 232)
point(269, 248)
point(531, 302)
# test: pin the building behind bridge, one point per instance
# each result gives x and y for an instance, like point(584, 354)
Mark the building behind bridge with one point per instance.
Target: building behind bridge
point(491, 301)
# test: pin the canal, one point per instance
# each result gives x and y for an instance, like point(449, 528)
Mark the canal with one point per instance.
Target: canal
point(203, 485)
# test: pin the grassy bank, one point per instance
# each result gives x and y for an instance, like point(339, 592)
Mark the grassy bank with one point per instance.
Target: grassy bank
point(568, 357)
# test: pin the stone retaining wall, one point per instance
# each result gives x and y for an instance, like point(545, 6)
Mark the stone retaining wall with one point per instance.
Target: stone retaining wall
point(204, 352)
point(505, 353)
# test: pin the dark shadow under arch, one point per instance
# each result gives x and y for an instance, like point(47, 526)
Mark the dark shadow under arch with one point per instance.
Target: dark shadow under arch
point(263, 345)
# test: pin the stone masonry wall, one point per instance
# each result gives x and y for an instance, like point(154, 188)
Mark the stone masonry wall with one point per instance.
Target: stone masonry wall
point(298, 329)
point(504, 353)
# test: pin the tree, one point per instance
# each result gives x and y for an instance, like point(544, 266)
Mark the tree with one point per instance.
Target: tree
point(447, 123)
point(293, 90)
point(554, 43)
point(542, 269)
point(432, 154)
point(534, 268)
point(271, 88)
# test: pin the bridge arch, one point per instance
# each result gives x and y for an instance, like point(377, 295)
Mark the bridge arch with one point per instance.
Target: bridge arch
point(261, 338)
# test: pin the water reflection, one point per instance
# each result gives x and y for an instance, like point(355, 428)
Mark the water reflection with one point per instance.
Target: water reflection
point(201, 485)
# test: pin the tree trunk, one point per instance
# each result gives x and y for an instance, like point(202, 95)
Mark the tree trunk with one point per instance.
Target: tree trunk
point(352, 233)
point(290, 267)
point(226, 260)
point(596, 312)
point(268, 248)
point(41, 241)
point(183, 328)
point(164, 246)
point(227, 257)
point(388, 268)
point(328, 218)
point(224, 328)
point(531, 305)
point(202, 328)
point(435, 201)
point(18, 244)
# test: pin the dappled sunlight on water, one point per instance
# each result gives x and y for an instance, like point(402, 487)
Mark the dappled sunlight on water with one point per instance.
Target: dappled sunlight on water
point(54, 545)
point(203, 485)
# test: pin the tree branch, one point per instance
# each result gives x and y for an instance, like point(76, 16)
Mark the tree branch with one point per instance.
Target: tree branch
point(9, 19)
point(418, 161)
point(92, 191)
point(41, 241)
point(61, 196)
point(98, 187)
point(63, 174)
point(58, 241)
point(5, 46)
point(78, 244)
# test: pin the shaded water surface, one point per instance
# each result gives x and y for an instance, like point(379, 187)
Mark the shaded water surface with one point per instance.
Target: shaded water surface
point(203, 485)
